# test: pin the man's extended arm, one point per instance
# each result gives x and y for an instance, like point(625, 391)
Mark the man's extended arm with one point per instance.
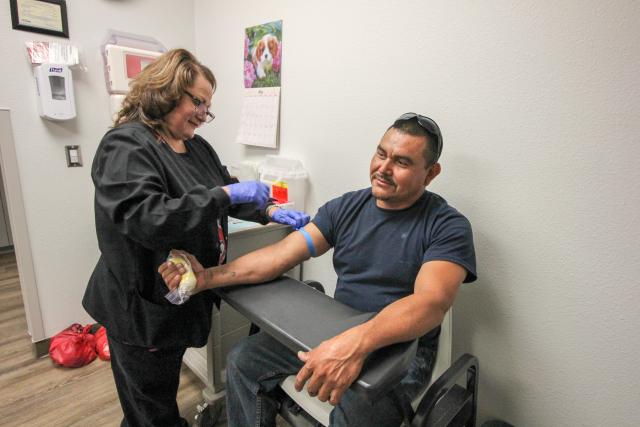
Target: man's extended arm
point(255, 267)
point(335, 364)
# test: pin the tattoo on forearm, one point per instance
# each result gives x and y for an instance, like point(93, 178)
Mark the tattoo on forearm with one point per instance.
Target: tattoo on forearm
point(226, 271)
point(223, 273)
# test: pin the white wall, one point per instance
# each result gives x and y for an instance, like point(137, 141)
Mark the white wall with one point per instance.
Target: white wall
point(539, 105)
point(59, 200)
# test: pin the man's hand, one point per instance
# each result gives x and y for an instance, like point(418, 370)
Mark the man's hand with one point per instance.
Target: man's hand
point(333, 366)
point(172, 273)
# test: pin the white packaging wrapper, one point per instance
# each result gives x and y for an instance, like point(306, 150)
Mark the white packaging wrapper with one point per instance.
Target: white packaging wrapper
point(183, 292)
point(52, 53)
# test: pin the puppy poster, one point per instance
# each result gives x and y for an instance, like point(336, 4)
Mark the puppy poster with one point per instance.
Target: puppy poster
point(263, 55)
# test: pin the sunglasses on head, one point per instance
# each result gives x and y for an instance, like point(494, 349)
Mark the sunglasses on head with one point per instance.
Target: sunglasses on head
point(429, 125)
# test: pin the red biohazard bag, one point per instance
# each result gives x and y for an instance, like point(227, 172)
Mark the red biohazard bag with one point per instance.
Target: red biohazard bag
point(102, 344)
point(73, 347)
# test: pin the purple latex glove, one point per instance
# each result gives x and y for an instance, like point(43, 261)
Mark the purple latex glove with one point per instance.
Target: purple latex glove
point(248, 192)
point(296, 219)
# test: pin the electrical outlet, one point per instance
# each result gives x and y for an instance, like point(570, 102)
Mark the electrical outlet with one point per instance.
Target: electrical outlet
point(73, 156)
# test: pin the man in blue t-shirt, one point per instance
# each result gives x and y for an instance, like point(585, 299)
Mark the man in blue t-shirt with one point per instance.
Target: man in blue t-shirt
point(399, 250)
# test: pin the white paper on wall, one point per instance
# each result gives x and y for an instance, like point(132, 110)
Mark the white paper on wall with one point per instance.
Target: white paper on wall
point(259, 117)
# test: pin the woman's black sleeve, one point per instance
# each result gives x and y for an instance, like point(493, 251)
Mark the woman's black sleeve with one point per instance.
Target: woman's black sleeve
point(131, 185)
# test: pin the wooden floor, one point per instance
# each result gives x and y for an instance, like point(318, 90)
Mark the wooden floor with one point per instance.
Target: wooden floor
point(35, 392)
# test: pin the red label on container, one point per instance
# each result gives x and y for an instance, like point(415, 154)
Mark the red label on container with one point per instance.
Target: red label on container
point(135, 64)
point(280, 192)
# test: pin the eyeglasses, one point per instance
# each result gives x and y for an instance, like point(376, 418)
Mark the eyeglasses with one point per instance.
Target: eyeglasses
point(201, 108)
point(430, 126)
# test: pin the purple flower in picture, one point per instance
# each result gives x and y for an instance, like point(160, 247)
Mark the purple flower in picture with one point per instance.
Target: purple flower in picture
point(249, 74)
point(246, 46)
point(277, 59)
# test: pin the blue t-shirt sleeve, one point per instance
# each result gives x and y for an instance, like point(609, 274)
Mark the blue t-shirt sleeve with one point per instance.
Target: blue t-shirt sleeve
point(452, 240)
point(325, 222)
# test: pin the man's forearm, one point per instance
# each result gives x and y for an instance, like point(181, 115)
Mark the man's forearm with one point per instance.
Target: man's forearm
point(256, 267)
point(404, 320)
point(339, 359)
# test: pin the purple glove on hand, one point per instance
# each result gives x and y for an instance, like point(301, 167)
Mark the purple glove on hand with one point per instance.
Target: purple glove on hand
point(248, 192)
point(296, 219)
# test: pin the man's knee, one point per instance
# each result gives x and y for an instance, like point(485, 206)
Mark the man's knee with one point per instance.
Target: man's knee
point(354, 410)
point(249, 351)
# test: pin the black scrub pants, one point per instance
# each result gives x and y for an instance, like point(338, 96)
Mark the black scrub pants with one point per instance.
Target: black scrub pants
point(147, 383)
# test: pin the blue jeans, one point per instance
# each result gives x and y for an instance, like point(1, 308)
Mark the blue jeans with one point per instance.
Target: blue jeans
point(257, 364)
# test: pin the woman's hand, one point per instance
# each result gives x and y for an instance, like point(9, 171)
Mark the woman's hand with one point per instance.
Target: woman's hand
point(255, 192)
point(172, 273)
point(296, 219)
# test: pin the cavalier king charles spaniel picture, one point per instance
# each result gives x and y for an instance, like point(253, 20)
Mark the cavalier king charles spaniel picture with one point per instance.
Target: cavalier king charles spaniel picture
point(263, 54)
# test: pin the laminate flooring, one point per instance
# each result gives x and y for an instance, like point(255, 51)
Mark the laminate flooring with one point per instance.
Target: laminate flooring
point(35, 392)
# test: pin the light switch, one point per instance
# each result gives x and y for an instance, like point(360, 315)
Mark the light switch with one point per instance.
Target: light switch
point(73, 155)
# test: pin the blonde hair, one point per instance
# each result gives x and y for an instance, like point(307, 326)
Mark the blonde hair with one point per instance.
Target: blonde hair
point(155, 92)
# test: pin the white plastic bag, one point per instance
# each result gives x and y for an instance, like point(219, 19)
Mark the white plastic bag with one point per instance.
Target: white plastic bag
point(183, 292)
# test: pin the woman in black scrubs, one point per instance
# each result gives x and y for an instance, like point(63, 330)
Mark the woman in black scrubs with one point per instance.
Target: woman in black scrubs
point(159, 186)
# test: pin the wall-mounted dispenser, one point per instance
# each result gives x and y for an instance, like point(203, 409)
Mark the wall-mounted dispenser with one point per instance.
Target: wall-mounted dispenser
point(52, 63)
point(55, 91)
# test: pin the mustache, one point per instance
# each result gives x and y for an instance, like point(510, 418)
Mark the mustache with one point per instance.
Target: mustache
point(384, 178)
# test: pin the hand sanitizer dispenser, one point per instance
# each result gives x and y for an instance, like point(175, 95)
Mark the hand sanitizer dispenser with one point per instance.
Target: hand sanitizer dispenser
point(55, 92)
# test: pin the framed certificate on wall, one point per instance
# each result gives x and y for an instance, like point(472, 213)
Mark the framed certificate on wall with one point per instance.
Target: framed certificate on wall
point(40, 16)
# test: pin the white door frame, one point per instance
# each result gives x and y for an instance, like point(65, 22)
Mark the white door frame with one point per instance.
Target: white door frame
point(19, 230)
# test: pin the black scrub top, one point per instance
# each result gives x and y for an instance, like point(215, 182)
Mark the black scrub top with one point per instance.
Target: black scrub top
point(149, 200)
